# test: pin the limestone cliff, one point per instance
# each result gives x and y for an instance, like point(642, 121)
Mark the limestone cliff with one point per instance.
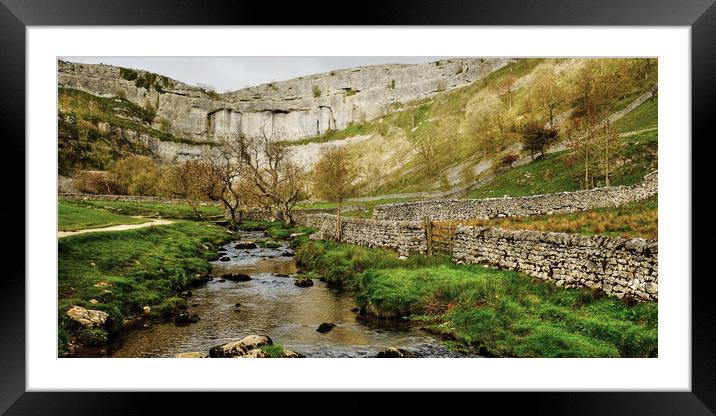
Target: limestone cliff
point(293, 109)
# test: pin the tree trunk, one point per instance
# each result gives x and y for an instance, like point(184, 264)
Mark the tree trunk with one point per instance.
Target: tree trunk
point(606, 154)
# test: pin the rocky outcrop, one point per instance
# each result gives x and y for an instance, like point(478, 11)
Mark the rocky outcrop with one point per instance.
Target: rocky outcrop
point(297, 108)
point(88, 317)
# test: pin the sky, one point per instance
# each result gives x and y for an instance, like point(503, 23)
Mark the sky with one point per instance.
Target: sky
point(233, 73)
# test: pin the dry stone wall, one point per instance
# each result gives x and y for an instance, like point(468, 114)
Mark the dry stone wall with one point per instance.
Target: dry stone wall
point(547, 204)
point(404, 237)
point(618, 266)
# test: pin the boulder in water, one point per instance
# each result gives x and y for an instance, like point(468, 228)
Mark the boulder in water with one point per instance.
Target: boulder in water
point(185, 318)
point(237, 277)
point(245, 245)
point(87, 317)
point(392, 352)
point(303, 281)
point(241, 347)
point(224, 259)
point(325, 327)
point(192, 354)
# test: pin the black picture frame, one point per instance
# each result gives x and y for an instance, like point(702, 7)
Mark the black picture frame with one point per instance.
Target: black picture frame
point(16, 15)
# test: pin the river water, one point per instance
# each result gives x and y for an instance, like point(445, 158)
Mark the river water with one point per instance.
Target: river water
point(271, 305)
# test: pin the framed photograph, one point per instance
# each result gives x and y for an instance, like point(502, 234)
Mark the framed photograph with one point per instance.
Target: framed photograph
point(476, 190)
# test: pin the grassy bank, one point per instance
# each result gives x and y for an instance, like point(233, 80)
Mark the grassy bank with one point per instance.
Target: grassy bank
point(638, 219)
point(72, 217)
point(499, 313)
point(275, 229)
point(121, 272)
point(146, 209)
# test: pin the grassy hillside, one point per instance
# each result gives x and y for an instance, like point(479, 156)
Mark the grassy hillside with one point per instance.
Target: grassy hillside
point(558, 172)
point(474, 126)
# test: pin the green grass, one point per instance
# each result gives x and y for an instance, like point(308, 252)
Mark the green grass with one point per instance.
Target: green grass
point(366, 213)
point(72, 217)
point(275, 229)
point(153, 209)
point(273, 351)
point(643, 117)
point(560, 172)
point(638, 219)
point(145, 267)
point(499, 313)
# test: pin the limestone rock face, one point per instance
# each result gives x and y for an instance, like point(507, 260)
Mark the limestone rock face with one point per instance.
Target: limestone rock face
point(87, 317)
point(241, 347)
point(297, 108)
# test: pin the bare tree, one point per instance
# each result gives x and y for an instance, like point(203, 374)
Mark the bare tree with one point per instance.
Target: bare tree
point(549, 94)
point(274, 181)
point(424, 141)
point(333, 176)
point(228, 169)
point(196, 182)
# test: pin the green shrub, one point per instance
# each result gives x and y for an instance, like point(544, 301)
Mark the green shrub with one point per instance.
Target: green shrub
point(128, 74)
point(316, 91)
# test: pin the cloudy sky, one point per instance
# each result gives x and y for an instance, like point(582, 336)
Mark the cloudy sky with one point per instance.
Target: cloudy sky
point(233, 73)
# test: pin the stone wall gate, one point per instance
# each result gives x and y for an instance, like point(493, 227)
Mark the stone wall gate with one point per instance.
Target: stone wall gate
point(440, 237)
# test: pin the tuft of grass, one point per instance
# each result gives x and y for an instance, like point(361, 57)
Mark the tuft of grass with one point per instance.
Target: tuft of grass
point(273, 351)
point(72, 216)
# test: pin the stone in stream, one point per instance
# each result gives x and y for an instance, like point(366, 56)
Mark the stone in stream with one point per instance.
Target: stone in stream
point(237, 277)
point(192, 354)
point(224, 259)
point(392, 352)
point(221, 280)
point(185, 318)
point(325, 327)
point(241, 347)
point(287, 254)
point(245, 245)
point(302, 281)
point(237, 304)
point(280, 275)
point(185, 294)
point(87, 317)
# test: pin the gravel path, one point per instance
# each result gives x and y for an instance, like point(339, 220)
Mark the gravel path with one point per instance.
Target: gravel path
point(121, 227)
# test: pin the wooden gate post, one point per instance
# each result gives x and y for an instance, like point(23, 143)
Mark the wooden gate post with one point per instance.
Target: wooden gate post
point(429, 235)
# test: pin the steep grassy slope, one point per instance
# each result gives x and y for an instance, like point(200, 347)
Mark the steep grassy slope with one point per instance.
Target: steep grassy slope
point(463, 148)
